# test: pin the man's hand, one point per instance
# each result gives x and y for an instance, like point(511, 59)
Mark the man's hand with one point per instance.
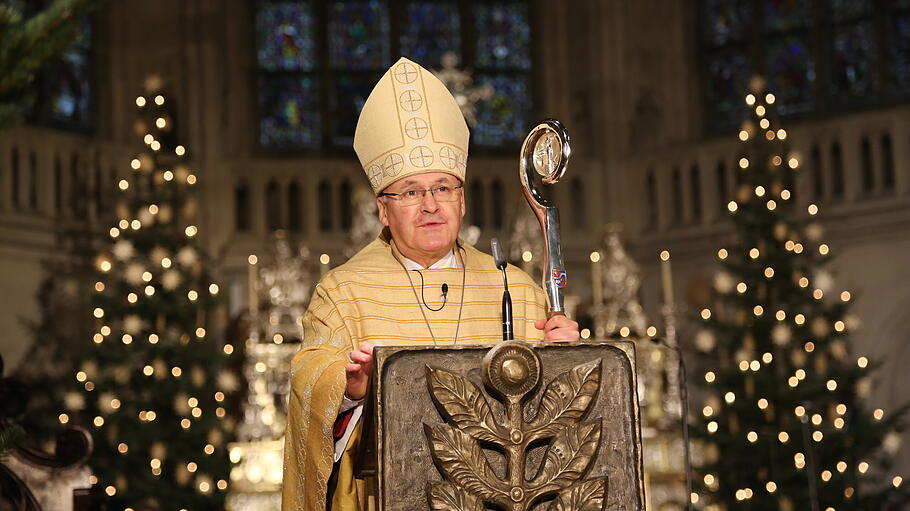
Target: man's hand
point(558, 328)
point(358, 371)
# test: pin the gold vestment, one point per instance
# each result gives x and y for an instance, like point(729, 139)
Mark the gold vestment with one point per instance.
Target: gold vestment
point(369, 298)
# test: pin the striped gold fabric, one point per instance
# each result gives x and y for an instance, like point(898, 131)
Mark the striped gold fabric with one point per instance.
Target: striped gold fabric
point(370, 298)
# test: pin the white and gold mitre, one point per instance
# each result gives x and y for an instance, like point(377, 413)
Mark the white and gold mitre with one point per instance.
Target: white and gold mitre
point(410, 124)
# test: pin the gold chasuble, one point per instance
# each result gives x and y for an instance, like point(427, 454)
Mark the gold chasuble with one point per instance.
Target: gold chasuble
point(370, 298)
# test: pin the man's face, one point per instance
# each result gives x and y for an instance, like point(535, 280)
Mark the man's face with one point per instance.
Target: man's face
point(426, 231)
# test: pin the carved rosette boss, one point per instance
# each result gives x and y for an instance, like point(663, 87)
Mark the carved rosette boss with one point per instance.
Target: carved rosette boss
point(512, 372)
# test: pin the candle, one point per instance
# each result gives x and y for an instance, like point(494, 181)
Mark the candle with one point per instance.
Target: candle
point(253, 284)
point(324, 260)
point(597, 278)
point(526, 258)
point(666, 277)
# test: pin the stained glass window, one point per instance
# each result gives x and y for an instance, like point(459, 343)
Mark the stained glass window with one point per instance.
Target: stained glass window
point(726, 24)
point(726, 80)
point(853, 53)
point(790, 72)
point(359, 52)
point(359, 35)
point(899, 43)
point(348, 96)
point(318, 62)
point(285, 37)
point(786, 14)
point(852, 65)
point(726, 21)
point(503, 118)
point(503, 62)
point(503, 35)
point(69, 83)
point(815, 54)
point(430, 30)
point(64, 87)
point(788, 59)
point(849, 10)
point(288, 88)
point(289, 111)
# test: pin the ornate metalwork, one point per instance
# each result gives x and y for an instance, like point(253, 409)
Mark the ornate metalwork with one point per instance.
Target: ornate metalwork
point(619, 283)
point(512, 371)
point(461, 84)
point(399, 464)
point(543, 161)
point(282, 288)
point(289, 281)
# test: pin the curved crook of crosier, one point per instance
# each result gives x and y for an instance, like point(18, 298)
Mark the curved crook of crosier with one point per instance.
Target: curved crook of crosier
point(543, 161)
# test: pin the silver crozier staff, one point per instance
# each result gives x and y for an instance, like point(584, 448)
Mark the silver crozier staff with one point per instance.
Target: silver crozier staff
point(544, 157)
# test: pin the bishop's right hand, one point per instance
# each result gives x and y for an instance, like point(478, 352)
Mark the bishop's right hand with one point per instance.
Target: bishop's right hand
point(358, 371)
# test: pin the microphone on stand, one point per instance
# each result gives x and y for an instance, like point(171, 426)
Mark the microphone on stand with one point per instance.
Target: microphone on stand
point(506, 297)
point(684, 412)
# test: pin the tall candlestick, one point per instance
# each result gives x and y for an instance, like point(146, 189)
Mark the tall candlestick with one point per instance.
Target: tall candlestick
point(253, 284)
point(666, 277)
point(597, 278)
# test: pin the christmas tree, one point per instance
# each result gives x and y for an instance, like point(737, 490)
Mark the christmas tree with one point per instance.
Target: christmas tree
point(155, 381)
point(58, 334)
point(26, 44)
point(786, 425)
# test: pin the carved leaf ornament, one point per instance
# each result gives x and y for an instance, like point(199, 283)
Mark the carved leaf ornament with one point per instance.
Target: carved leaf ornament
point(511, 371)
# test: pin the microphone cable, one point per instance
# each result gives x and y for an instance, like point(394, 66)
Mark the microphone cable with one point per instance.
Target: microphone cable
point(445, 294)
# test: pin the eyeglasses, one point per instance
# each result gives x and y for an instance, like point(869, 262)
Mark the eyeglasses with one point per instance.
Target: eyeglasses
point(442, 193)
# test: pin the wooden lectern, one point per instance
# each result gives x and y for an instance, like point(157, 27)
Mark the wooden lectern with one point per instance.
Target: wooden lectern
point(516, 426)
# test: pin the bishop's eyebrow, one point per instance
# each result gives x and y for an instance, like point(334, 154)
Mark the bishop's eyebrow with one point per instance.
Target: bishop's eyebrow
point(442, 180)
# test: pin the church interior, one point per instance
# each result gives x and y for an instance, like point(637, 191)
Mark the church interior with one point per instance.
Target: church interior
point(247, 109)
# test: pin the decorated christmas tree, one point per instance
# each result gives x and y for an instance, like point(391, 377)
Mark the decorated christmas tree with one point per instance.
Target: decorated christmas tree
point(155, 381)
point(59, 333)
point(786, 425)
point(29, 42)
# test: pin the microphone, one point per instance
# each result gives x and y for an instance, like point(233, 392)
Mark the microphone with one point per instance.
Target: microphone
point(684, 412)
point(500, 260)
point(444, 297)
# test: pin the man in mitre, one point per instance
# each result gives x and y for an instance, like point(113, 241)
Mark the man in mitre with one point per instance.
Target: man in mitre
point(416, 284)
